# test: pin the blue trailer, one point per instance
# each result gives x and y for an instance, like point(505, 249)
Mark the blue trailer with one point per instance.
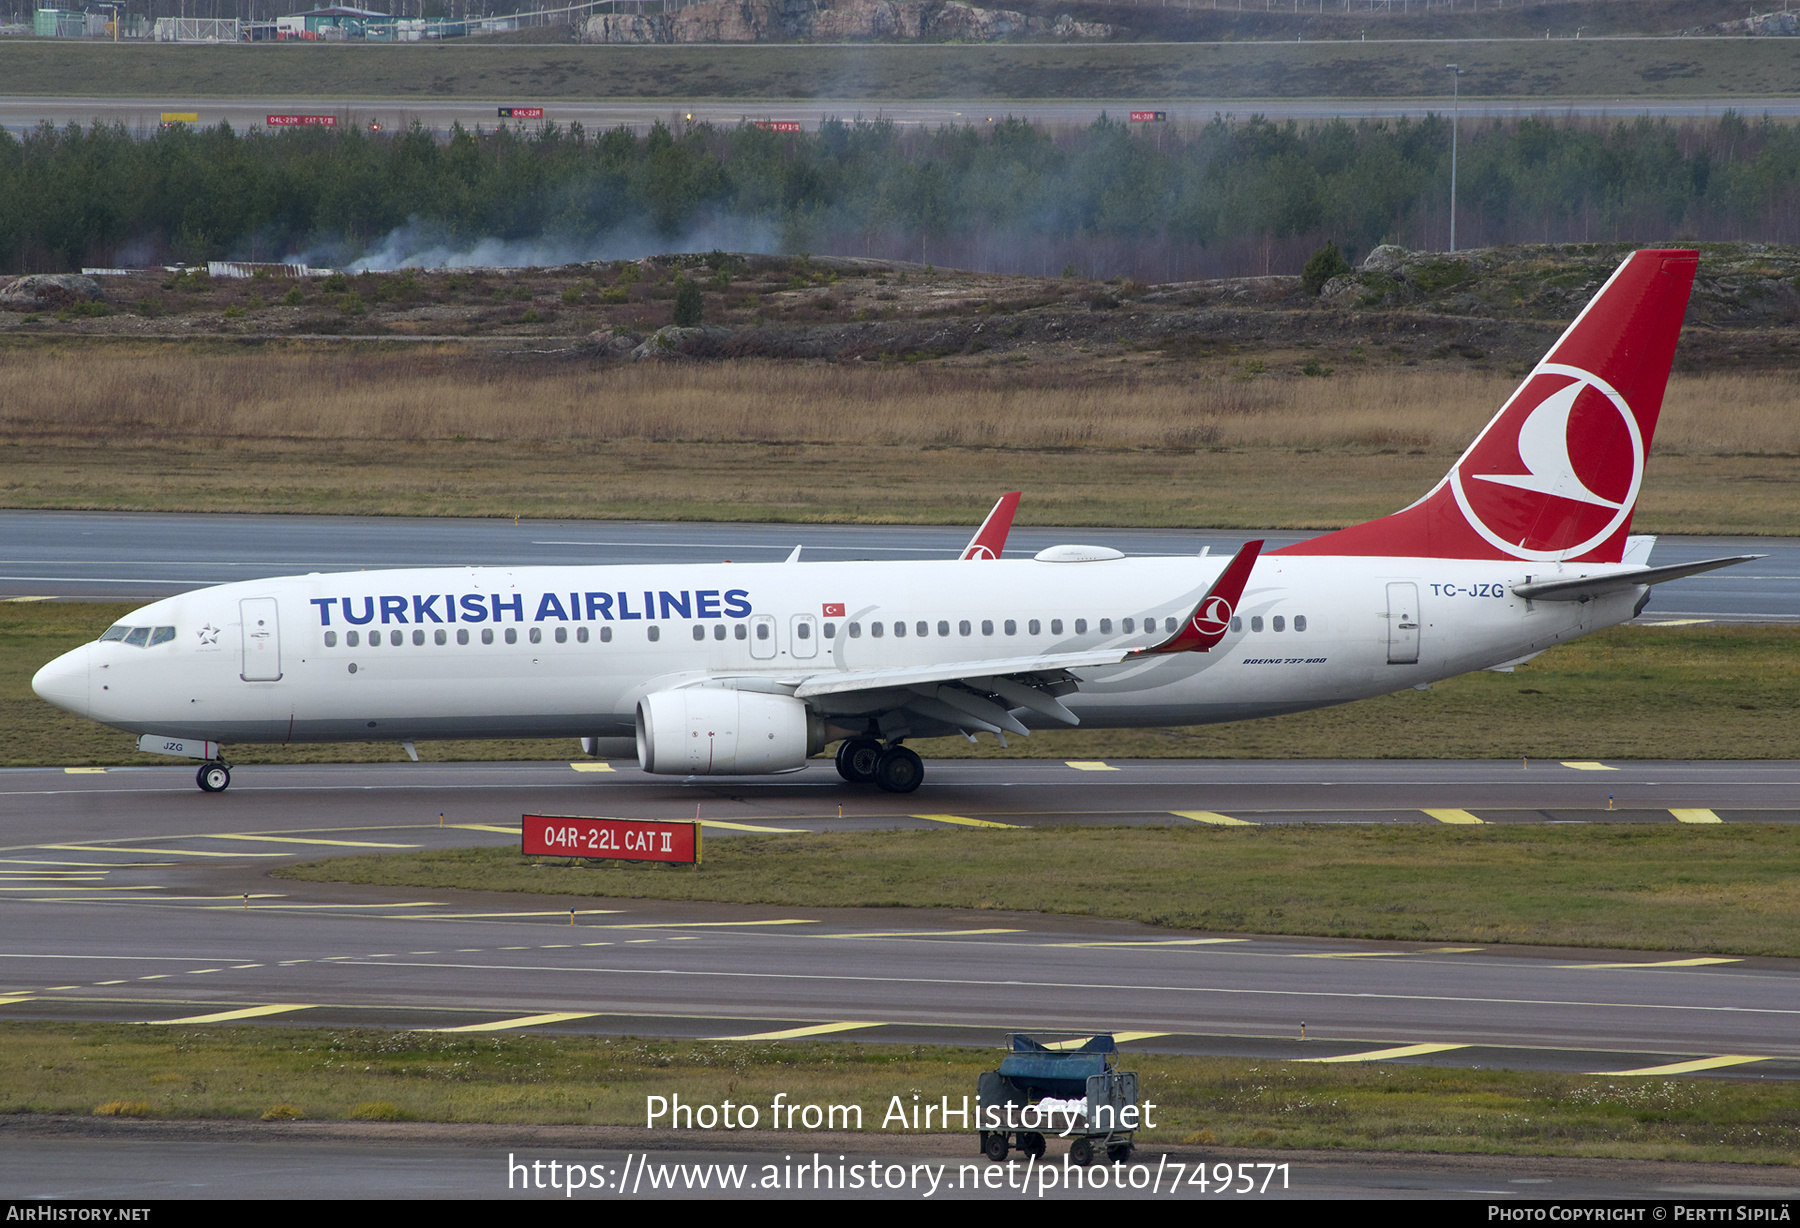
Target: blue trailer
point(1066, 1088)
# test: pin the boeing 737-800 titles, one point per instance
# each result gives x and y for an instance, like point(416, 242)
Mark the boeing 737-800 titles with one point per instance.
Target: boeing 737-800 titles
point(733, 669)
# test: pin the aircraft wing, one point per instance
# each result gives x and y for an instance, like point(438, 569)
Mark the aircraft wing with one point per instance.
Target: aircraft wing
point(1586, 588)
point(982, 694)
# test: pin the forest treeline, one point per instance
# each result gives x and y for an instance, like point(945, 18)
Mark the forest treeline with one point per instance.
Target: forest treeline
point(1156, 202)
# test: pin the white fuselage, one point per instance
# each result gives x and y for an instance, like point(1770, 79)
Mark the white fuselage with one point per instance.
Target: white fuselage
point(569, 651)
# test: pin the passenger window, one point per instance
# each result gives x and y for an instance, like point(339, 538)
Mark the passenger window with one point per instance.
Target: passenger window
point(831, 631)
point(804, 631)
point(536, 635)
point(855, 631)
point(581, 634)
point(875, 630)
point(737, 632)
point(1056, 626)
point(963, 627)
point(331, 639)
point(1035, 627)
point(654, 632)
point(1237, 624)
point(139, 637)
point(943, 626)
point(512, 635)
point(899, 629)
point(699, 632)
point(1299, 622)
point(440, 636)
point(487, 635)
point(1279, 623)
point(418, 638)
point(1010, 627)
point(462, 635)
point(162, 635)
point(1256, 622)
point(762, 631)
point(987, 626)
point(351, 638)
point(606, 635)
point(922, 629)
point(117, 632)
point(1106, 626)
point(1081, 626)
point(718, 631)
point(1169, 624)
point(562, 635)
point(1127, 626)
point(396, 638)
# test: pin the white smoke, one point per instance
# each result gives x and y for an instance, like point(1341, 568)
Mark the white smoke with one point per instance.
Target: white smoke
point(422, 245)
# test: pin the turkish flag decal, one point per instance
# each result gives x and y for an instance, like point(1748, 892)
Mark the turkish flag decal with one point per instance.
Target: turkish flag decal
point(834, 609)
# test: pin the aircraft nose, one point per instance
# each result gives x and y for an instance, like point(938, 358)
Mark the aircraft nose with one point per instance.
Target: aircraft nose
point(64, 682)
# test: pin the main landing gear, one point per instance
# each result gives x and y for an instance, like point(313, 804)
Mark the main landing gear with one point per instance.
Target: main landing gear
point(863, 761)
point(214, 777)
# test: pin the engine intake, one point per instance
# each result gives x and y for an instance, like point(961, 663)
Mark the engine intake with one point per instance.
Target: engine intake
point(711, 731)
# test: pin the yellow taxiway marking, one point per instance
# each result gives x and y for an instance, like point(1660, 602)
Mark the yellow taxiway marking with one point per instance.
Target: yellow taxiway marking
point(920, 934)
point(96, 865)
point(1700, 1063)
point(24, 599)
point(483, 916)
point(248, 1012)
point(113, 848)
point(54, 885)
point(1699, 961)
point(1696, 816)
point(1152, 942)
point(510, 831)
point(355, 844)
point(1454, 816)
point(817, 1029)
point(1382, 1055)
point(962, 821)
point(257, 902)
point(592, 767)
point(1586, 765)
point(524, 1021)
point(784, 831)
point(1213, 817)
point(1677, 622)
point(1090, 765)
point(84, 771)
point(7, 999)
point(1118, 1037)
point(1350, 954)
point(685, 925)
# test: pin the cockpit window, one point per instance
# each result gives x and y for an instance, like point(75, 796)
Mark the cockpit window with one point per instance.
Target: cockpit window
point(139, 637)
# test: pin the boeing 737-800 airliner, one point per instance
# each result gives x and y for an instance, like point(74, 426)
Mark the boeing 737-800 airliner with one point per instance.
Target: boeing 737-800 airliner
point(732, 669)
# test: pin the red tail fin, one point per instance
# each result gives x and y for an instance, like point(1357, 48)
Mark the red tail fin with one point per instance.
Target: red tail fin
point(1207, 625)
point(1555, 475)
point(990, 538)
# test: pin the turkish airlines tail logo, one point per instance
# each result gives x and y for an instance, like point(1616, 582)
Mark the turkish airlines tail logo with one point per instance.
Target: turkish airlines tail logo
point(1556, 474)
point(990, 538)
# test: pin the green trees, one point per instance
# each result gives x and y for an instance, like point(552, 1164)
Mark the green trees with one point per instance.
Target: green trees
point(687, 303)
point(1325, 264)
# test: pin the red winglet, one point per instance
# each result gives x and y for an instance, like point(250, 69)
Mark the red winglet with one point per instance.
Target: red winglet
point(990, 538)
point(1207, 625)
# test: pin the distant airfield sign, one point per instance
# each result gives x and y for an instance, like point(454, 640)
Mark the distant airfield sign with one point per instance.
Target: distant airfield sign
point(1149, 117)
point(521, 112)
point(301, 121)
point(181, 117)
point(550, 835)
point(781, 125)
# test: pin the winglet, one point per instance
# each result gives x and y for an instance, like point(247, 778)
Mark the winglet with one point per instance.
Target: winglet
point(1207, 625)
point(990, 538)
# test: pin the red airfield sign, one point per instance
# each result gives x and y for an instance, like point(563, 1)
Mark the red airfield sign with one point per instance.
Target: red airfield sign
point(521, 112)
point(302, 121)
point(552, 835)
point(1149, 117)
point(781, 125)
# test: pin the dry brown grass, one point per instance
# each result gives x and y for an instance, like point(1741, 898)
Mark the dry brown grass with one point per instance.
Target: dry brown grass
point(155, 396)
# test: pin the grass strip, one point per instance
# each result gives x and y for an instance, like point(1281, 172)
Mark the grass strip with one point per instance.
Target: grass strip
point(347, 1074)
point(1730, 889)
point(1695, 692)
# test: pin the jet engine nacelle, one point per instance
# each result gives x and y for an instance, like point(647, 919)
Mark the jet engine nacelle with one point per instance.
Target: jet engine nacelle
point(711, 731)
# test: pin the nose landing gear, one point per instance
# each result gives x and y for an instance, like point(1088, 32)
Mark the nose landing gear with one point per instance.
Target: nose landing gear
point(214, 777)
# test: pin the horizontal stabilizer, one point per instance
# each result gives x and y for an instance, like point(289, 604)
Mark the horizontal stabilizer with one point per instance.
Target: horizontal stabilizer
point(1586, 588)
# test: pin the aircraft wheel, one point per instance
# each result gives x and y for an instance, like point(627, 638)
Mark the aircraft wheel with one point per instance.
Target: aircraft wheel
point(856, 760)
point(213, 777)
point(899, 770)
